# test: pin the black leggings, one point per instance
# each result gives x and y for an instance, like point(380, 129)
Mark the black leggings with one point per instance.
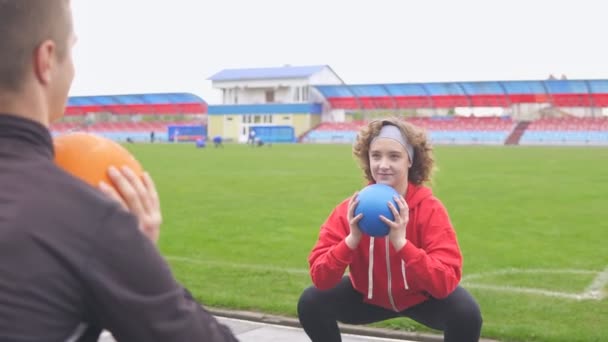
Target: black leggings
point(457, 315)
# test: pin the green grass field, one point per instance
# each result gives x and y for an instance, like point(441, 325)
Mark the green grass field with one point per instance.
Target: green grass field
point(240, 222)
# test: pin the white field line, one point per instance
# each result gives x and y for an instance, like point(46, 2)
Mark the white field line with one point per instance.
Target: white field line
point(527, 271)
point(597, 288)
point(593, 292)
point(526, 290)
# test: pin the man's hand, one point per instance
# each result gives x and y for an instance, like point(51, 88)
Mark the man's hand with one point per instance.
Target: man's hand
point(137, 195)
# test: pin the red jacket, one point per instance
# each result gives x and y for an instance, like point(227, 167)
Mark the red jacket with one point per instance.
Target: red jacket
point(429, 265)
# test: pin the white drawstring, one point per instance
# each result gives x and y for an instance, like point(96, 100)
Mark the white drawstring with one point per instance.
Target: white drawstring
point(370, 270)
point(407, 287)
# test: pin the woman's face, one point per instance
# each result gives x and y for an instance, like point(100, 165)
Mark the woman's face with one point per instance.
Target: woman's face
point(389, 163)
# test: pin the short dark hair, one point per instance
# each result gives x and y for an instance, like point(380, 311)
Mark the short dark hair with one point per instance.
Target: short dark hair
point(24, 25)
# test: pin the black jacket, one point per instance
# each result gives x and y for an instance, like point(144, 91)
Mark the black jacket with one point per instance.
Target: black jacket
point(72, 262)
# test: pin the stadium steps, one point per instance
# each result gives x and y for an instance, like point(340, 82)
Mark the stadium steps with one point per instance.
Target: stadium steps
point(518, 131)
point(303, 135)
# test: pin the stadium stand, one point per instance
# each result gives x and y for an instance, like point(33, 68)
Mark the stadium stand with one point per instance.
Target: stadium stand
point(567, 131)
point(550, 93)
point(328, 132)
point(560, 93)
point(167, 103)
point(133, 117)
point(442, 130)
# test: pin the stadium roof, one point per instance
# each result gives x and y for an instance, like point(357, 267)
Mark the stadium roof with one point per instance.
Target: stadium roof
point(586, 93)
point(267, 108)
point(163, 103)
point(267, 73)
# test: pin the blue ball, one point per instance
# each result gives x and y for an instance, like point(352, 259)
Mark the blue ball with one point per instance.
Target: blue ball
point(373, 202)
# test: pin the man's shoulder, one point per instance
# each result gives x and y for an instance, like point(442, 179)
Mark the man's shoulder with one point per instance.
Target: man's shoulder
point(63, 193)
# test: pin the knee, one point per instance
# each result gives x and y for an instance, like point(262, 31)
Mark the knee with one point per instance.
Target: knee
point(468, 313)
point(309, 301)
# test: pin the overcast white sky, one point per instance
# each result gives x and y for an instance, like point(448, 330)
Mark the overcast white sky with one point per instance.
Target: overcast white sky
point(141, 46)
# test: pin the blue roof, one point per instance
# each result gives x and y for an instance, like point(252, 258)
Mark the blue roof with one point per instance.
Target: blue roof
point(444, 88)
point(407, 89)
point(567, 87)
point(334, 91)
point(134, 99)
point(483, 88)
point(465, 88)
point(267, 73)
point(598, 86)
point(267, 108)
point(369, 90)
point(524, 87)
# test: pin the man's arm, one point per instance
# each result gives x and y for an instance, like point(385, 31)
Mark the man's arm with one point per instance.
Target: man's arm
point(133, 293)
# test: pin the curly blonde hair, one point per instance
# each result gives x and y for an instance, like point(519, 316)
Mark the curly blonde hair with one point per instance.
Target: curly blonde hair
point(423, 165)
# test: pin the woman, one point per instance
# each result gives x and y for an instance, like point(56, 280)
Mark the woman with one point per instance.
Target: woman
point(412, 272)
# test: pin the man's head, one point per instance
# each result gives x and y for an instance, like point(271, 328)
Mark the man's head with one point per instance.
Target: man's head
point(36, 39)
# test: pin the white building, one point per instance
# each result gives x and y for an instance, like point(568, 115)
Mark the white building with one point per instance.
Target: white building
point(287, 84)
point(262, 98)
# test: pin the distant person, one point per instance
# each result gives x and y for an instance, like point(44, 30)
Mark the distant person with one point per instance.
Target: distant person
point(75, 260)
point(251, 137)
point(259, 142)
point(152, 136)
point(176, 136)
point(217, 141)
point(413, 272)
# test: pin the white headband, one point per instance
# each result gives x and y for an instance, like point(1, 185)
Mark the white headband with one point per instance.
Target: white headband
point(392, 132)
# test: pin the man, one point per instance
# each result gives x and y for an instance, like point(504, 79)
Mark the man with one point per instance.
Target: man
point(217, 141)
point(74, 261)
point(252, 136)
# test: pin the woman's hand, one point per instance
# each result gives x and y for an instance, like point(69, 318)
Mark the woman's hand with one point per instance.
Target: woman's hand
point(396, 232)
point(354, 237)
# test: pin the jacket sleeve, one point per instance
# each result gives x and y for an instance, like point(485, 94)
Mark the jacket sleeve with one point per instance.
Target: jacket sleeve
point(436, 265)
point(331, 255)
point(132, 293)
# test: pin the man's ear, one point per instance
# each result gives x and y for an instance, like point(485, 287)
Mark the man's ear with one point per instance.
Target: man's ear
point(43, 61)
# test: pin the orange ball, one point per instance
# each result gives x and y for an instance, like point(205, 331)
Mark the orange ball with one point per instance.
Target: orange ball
point(88, 157)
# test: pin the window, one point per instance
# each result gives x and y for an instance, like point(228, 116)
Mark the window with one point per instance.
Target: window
point(267, 118)
point(269, 96)
point(257, 119)
point(296, 94)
